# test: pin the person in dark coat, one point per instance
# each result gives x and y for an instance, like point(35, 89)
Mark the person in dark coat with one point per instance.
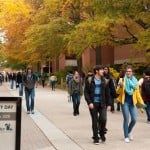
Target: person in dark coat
point(97, 96)
point(112, 88)
point(29, 81)
point(76, 91)
point(19, 83)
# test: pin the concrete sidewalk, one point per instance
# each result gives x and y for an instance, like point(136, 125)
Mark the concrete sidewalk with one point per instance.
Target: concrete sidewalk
point(53, 108)
point(31, 136)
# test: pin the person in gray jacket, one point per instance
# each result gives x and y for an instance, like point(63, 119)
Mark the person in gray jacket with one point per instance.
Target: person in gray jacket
point(29, 81)
point(75, 90)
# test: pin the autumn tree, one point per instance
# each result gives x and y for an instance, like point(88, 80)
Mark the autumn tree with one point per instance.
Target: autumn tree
point(41, 29)
point(14, 20)
point(109, 15)
point(45, 38)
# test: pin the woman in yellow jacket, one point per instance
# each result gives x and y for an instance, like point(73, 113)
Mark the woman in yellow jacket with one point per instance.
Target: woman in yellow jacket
point(129, 96)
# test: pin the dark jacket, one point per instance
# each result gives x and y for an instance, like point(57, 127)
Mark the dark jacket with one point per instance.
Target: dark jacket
point(112, 88)
point(73, 85)
point(29, 84)
point(19, 77)
point(145, 97)
point(105, 92)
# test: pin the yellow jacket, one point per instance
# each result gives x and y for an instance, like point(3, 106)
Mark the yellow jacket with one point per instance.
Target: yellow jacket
point(121, 91)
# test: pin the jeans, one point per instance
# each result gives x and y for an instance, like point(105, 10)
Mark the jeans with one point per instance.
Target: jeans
point(30, 94)
point(53, 84)
point(11, 84)
point(148, 110)
point(127, 109)
point(99, 118)
point(20, 89)
point(76, 102)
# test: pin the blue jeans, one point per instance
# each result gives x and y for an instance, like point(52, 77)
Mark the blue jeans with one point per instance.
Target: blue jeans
point(127, 109)
point(30, 94)
point(20, 89)
point(53, 84)
point(147, 110)
point(76, 102)
point(11, 84)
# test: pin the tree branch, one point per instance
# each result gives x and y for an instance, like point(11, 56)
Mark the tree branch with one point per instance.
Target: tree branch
point(123, 40)
point(128, 31)
point(142, 24)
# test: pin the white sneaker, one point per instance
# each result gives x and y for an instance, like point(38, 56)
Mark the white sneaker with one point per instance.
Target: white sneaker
point(127, 140)
point(130, 136)
point(32, 111)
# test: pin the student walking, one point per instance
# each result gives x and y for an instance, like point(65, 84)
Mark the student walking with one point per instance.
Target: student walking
point(97, 96)
point(19, 83)
point(43, 79)
point(111, 85)
point(144, 83)
point(53, 80)
point(12, 79)
point(129, 96)
point(75, 90)
point(69, 77)
point(29, 80)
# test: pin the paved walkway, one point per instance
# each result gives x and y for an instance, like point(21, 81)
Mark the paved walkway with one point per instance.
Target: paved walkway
point(53, 127)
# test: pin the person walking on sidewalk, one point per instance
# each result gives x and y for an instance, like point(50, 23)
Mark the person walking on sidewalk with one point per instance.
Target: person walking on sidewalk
point(129, 96)
point(97, 96)
point(19, 83)
point(112, 88)
point(69, 77)
point(144, 83)
point(76, 91)
point(43, 77)
point(53, 80)
point(29, 81)
point(12, 79)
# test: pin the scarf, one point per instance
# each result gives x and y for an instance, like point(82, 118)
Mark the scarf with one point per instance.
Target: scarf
point(76, 79)
point(130, 84)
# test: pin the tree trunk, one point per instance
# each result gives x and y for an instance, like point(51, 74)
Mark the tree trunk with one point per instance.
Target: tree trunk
point(79, 63)
point(98, 54)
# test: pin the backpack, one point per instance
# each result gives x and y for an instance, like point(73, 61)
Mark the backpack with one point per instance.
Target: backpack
point(146, 86)
point(68, 78)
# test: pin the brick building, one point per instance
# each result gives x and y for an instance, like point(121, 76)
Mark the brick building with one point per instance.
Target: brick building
point(105, 55)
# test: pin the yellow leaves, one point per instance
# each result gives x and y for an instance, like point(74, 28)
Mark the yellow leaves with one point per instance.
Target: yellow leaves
point(53, 5)
point(14, 20)
point(12, 11)
point(114, 73)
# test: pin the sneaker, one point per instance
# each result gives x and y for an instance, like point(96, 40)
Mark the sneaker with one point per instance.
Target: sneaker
point(103, 138)
point(96, 142)
point(94, 137)
point(28, 112)
point(127, 140)
point(32, 111)
point(130, 136)
point(75, 114)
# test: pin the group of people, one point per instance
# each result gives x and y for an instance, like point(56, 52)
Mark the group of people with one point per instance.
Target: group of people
point(26, 82)
point(100, 90)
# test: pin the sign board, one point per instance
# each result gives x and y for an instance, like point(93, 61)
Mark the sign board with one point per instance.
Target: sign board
point(10, 123)
point(71, 62)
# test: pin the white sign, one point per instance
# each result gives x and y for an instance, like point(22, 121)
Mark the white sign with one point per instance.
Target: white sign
point(71, 62)
point(7, 125)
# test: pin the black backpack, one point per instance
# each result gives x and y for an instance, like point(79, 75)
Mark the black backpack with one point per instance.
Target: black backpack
point(146, 86)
